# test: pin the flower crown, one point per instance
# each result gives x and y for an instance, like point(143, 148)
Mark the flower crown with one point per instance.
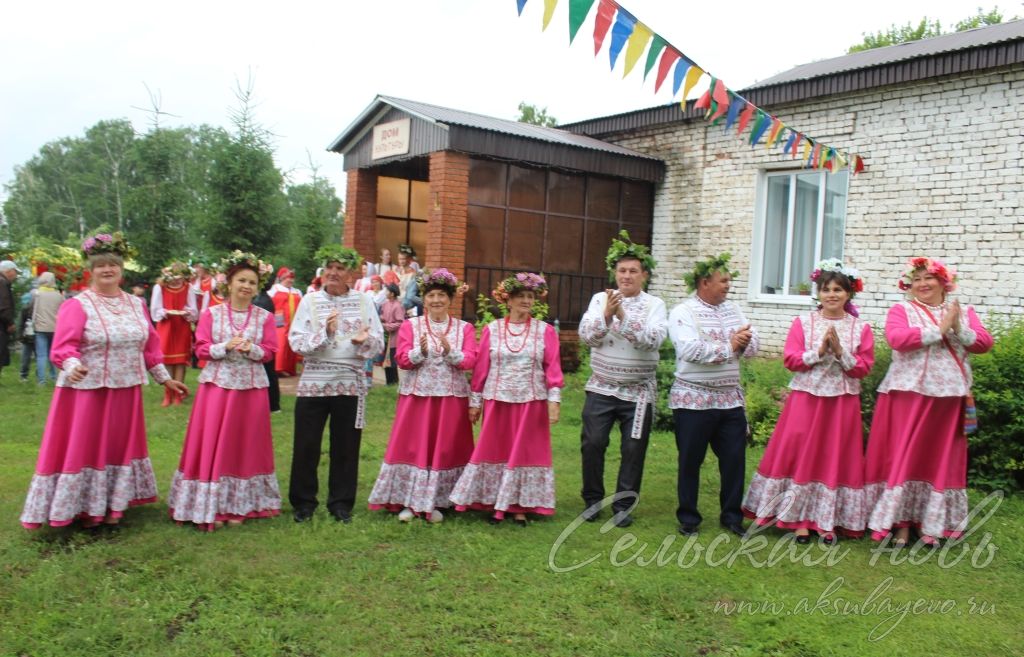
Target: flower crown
point(263, 270)
point(704, 269)
point(623, 247)
point(440, 277)
point(933, 266)
point(177, 269)
point(836, 265)
point(522, 281)
point(348, 258)
point(407, 250)
point(107, 243)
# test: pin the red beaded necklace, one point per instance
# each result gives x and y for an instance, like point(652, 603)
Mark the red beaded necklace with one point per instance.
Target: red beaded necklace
point(434, 338)
point(238, 331)
point(508, 332)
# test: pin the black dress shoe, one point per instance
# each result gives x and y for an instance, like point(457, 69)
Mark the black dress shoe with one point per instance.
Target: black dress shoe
point(735, 528)
point(494, 521)
point(803, 539)
point(623, 521)
point(302, 515)
point(341, 516)
point(592, 513)
point(688, 530)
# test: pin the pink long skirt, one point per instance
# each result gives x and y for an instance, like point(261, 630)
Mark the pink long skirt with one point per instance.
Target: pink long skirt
point(917, 465)
point(93, 460)
point(812, 473)
point(510, 469)
point(431, 443)
point(226, 470)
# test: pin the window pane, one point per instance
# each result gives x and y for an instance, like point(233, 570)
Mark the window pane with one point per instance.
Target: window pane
point(641, 234)
point(418, 241)
point(420, 201)
point(835, 215)
point(566, 193)
point(599, 238)
point(563, 245)
point(805, 227)
point(487, 182)
point(526, 188)
point(776, 212)
point(637, 202)
point(603, 198)
point(525, 239)
point(391, 233)
point(392, 197)
point(485, 236)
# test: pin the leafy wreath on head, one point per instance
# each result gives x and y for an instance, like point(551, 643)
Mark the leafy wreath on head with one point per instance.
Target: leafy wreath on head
point(719, 263)
point(114, 243)
point(219, 271)
point(176, 269)
point(624, 248)
point(348, 258)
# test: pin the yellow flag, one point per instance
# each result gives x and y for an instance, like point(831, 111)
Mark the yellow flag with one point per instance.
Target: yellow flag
point(636, 44)
point(549, 10)
point(807, 151)
point(691, 79)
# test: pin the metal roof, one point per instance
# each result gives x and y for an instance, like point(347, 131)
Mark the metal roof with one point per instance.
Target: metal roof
point(447, 117)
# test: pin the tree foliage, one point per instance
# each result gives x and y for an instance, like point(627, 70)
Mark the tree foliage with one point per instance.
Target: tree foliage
point(530, 114)
point(926, 29)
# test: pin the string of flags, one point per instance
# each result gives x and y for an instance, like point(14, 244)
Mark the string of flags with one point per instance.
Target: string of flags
point(718, 102)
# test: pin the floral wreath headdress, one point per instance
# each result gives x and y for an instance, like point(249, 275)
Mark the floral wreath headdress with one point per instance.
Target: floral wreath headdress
point(176, 269)
point(263, 269)
point(933, 266)
point(622, 248)
point(439, 277)
point(522, 281)
point(704, 269)
point(347, 258)
point(836, 265)
point(114, 243)
point(407, 250)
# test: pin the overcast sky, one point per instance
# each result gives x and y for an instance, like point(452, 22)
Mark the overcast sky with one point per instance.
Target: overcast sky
point(316, 65)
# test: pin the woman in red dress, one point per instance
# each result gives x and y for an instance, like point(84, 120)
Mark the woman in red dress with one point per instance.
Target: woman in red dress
point(174, 309)
point(286, 299)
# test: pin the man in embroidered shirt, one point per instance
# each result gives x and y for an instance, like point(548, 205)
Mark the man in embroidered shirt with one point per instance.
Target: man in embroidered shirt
point(624, 328)
point(709, 334)
point(336, 330)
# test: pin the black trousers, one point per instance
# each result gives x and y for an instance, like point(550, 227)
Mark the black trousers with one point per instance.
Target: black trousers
point(311, 414)
point(273, 389)
point(600, 414)
point(391, 371)
point(726, 431)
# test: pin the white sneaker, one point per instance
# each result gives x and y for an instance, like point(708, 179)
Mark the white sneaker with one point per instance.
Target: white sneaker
point(436, 516)
point(406, 515)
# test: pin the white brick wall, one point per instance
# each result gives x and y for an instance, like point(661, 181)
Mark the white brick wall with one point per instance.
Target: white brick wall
point(944, 178)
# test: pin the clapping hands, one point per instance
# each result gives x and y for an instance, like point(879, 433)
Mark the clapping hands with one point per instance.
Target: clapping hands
point(830, 343)
point(951, 320)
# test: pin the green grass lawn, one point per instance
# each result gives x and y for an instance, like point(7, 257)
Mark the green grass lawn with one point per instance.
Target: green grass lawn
point(378, 587)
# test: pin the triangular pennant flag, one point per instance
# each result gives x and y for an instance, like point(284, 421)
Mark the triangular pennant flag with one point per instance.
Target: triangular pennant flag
point(858, 165)
point(621, 30)
point(605, 14)
point(707, 101)
point(790, 143)
point(839, 162)
point(773, 133)
point(683, 66)
point(763, 123)
point(520, 4)
point(691, 79)
point(635, 46)
point(826, 156)
point(668, 58)
point(549, 10)
point(796, 144)
point(652, 55)
point(578, 10)
point(735, 107)
point(721, 97)
point(704, 102)
point(748, 113)
point(807, 151)
point(815, 156)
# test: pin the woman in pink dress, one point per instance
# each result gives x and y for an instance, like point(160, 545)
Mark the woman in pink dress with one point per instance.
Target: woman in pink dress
point(93, 462)
point(916, 474)
point(431, 437)
point(226, 471)
point(811, 477)
point(518, 378)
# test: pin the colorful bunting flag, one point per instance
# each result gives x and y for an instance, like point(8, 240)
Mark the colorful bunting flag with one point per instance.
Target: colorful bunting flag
point(605, 14)
point(735, 106)
point(745, 117)
point(520, 4)
point(668, 58)
point(621, 29)
point(790, 143)
point(578, 10)
point(721, 97)
point(635, 45)
point(692, 76)
point(657, 45)
point(549, 11)
point(796, 144)
point(763, 123)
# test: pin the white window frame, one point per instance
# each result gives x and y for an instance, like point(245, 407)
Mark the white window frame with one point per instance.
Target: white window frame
point(754, 292)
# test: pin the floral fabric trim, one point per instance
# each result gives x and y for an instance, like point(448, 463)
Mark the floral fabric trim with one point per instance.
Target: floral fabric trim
point(59, 498)
point(495, 485)
point(918, 503)
point(784, 501)
point(204, 502)
point(408, 486)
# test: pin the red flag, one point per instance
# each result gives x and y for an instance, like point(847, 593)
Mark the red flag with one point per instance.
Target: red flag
point(721, 95)
point(704, 102)
point(859, 166)
point(605, 14)
point(799, 138)
point(745, 117)
point(668, 58)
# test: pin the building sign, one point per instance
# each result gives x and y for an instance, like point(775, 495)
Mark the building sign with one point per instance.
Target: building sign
point(391, 139)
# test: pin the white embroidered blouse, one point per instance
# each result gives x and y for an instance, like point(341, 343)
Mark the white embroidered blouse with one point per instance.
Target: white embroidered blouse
point(517, 363)
point(434, 374)
point(233, 369)
point(828, 376)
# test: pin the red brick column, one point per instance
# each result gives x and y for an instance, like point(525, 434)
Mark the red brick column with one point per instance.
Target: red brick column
point(361, 213)
point(446, 231)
